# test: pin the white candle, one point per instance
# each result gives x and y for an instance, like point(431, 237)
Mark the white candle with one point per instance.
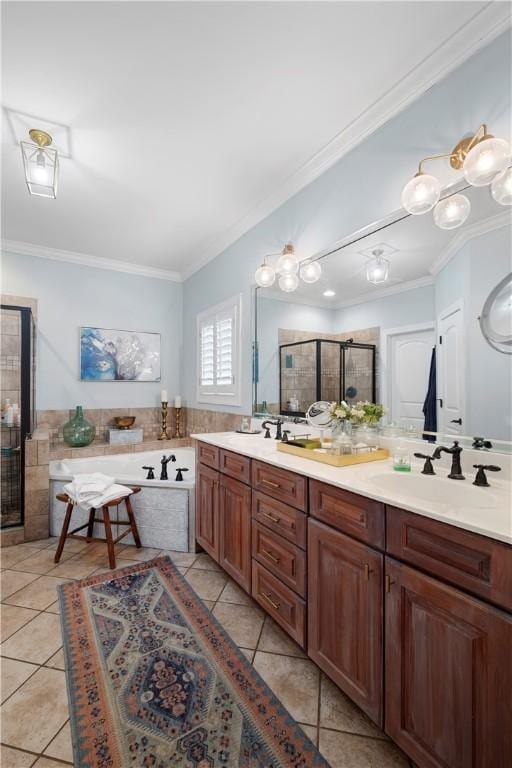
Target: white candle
point(163, 396)
point(177, 401)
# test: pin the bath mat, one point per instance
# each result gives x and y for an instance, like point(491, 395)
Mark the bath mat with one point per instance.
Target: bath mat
point(154, 681)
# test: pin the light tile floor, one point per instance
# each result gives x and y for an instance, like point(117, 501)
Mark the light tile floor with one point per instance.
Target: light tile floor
point(34, 708)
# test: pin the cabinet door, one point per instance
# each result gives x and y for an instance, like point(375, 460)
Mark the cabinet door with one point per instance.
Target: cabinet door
point(207, 509)
point(235, 530)
point(345, 619)
point(448, 673)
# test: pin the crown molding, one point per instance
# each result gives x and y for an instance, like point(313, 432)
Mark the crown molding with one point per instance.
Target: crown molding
point(85, 260)
point(390, 290)
point(464, 236)
point(475, 34)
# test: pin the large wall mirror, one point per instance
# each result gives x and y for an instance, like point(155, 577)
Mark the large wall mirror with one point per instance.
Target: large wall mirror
point(415, 330)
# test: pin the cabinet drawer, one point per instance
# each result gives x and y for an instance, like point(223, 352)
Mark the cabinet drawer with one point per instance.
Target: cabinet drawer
point(475, 563)
point(281, 518)
point(281, 557)
point(236, 466)
point(208, 454)
point(356, 515)
point(285, 607)
point(279, 483)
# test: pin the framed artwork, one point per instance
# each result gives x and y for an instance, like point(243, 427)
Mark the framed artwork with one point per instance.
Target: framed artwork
point(112, 355)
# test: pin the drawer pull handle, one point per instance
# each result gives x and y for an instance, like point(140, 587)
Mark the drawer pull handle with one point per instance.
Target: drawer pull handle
point(389, 582)
point(269, 600)
point(367, 571)
point(272, 517)
point(271, 555)
point(270, 483)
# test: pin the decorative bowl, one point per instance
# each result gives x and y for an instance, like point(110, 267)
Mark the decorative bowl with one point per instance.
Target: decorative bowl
point(124, 422)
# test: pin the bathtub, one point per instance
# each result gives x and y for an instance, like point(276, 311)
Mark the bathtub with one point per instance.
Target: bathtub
point(164, 509)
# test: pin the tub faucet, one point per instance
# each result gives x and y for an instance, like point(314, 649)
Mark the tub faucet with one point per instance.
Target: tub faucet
point(455, 451)
point(164, 462)
point(179, 470)
point(151, 474)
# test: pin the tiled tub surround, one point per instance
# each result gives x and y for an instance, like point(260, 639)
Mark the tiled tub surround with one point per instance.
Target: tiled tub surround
point(164, 509)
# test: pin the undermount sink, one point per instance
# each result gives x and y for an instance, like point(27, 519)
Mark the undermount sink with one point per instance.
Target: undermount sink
point(435, 489)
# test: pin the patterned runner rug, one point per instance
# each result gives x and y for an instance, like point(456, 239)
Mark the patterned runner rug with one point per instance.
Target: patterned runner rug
point(154, 681)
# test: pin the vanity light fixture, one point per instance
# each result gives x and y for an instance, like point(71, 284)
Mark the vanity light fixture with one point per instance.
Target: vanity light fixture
point(451, 212)
point(287, 263)
point(288, 282)
point(481, 158)
point(501, 187)
point(377, 268)
point(41, 164)
point(265, 275)
point(310, 271)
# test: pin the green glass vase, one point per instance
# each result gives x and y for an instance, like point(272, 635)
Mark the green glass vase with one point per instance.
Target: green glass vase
point(78, 431)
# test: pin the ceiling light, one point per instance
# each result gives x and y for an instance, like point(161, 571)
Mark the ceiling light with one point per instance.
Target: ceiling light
point(451, 212)
point(421, 193)
point(329, 294)
point(310, 271)
point(41, 164)
point(377, 269)
point(265, 275)
point(287, 263)
point(288, 282)
point(501, 187)
point(486, 160)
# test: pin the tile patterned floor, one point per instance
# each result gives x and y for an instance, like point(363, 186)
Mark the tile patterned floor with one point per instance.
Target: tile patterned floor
point(34, 710)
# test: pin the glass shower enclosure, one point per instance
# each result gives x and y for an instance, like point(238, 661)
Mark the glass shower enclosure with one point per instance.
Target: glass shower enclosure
point(17, 380)
point(321, 369)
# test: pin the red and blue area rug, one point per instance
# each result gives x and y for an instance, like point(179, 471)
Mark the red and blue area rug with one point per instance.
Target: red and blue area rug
point(154, 681)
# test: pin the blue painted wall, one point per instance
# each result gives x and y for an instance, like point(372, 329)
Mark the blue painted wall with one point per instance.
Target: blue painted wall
point(69, 296)
point(363, 186)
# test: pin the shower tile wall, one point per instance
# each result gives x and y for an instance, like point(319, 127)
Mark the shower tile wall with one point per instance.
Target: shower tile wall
point(10, 357)
point(300, 380)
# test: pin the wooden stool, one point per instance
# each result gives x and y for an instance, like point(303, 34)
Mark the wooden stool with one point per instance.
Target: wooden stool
point(105, 521)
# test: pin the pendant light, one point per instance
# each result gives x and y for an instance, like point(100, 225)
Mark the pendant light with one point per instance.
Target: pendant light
point(41, 164)
point(310, 271)
point(452, 212)
point(501, 187)
point(287, 263)
point(265, 275)
point(377, 269)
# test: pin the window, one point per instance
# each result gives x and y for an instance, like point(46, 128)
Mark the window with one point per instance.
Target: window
point(219, 353)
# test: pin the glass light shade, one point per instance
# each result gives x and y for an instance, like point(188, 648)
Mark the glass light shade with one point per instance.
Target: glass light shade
point(265, 275)
point(287, 264)
point(377, 270)
point(501, 187)
point(41, 169)
point(420, 194)
point(288, 282)
point(485, 161)
point(310, 271)
point(451, 212)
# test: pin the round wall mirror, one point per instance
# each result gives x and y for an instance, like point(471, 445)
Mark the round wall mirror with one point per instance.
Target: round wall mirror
point(496, 317)
point(319, 414)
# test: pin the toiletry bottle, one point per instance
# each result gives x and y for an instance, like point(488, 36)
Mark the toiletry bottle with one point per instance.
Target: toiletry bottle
point(401, 458)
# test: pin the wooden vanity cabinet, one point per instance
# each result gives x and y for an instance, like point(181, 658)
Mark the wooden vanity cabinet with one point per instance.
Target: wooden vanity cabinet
point(207, 509)
point(345, 614)
point(235, 530)
point(448, 672)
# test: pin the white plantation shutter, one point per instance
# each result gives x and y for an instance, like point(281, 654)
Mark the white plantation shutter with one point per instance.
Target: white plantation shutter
point(219, 353)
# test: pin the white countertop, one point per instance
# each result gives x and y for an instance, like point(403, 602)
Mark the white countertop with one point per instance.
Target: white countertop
point(487, 511)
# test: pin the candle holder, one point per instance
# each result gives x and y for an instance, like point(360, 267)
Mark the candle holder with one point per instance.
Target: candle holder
point(178, 423)
point(163, 434)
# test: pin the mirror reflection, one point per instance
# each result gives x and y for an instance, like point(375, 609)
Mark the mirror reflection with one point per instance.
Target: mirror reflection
point(395, 317)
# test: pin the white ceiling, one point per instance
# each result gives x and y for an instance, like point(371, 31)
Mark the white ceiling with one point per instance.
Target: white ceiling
point(190, 121)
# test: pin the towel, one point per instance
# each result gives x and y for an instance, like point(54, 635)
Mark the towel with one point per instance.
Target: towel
point(94, 490)
point(430, 404)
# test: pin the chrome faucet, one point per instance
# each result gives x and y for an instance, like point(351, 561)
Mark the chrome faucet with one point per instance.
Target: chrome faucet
point(455, 451)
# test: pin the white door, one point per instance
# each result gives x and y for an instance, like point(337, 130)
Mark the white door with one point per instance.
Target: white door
point(410, 352)
point(451, 375)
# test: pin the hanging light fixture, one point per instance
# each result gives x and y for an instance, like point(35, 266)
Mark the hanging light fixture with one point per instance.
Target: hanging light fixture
point(41, 164)
point(287, 263)
point(501, 187)
point(310, 271)
point(481, 157)
point(265, 275)
point(452, 212)
point(377, 268)
point(288, 282)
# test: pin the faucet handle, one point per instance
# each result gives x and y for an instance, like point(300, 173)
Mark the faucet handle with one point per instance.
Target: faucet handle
point(481, 442)
point(284, 438)
point(428, 469)
point(179, 470)
point(151, 474)
point(480, 477)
